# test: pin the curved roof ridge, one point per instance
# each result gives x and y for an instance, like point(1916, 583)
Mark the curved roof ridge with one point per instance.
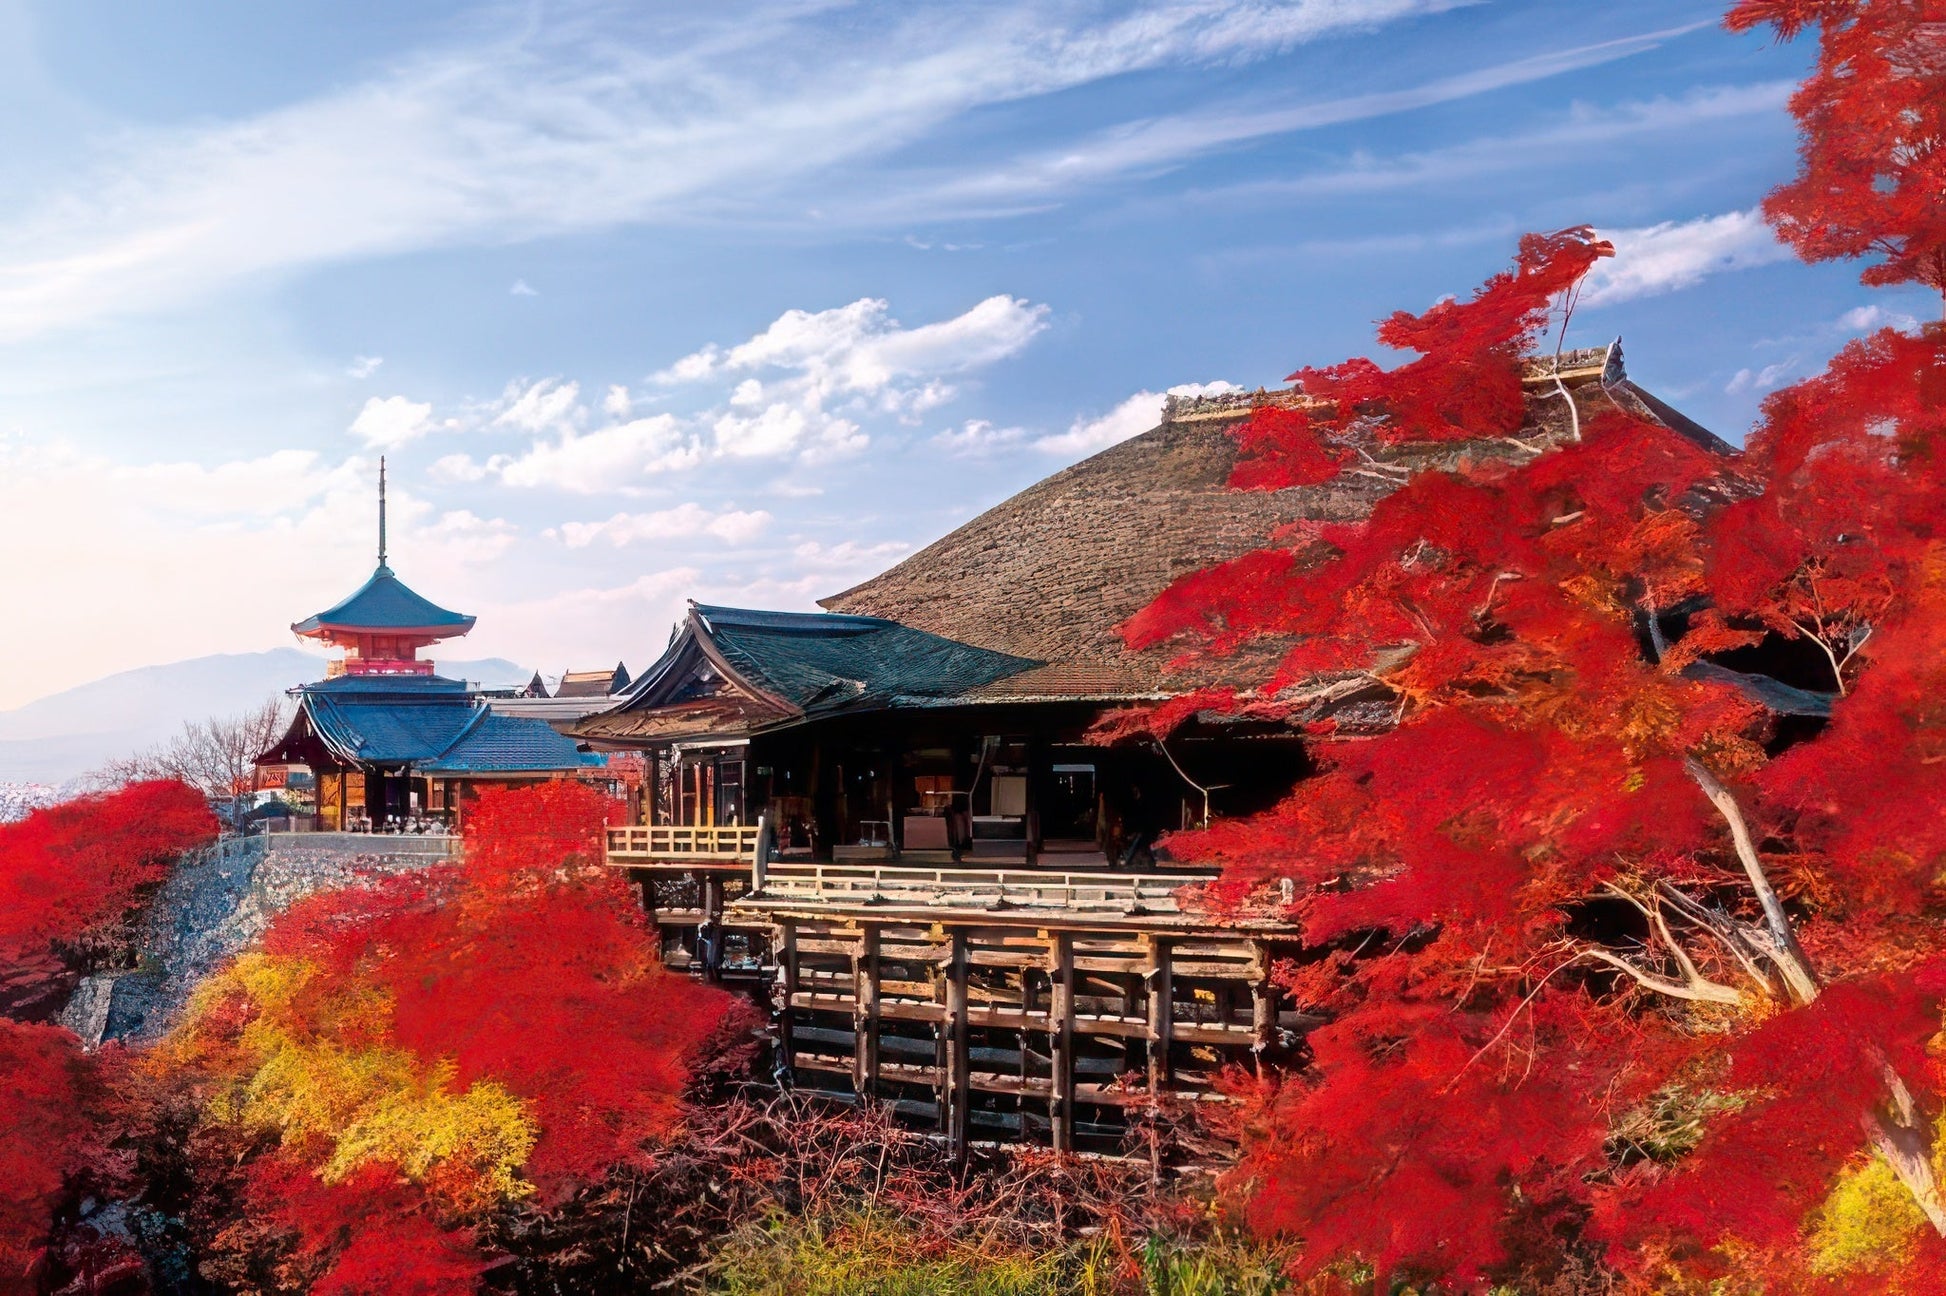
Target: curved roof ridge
point(384, 602)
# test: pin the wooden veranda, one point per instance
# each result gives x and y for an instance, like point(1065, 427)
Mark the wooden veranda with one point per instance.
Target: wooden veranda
point(1011, 1004)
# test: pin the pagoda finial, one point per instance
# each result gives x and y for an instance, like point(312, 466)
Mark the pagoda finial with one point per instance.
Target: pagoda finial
point(381, 512)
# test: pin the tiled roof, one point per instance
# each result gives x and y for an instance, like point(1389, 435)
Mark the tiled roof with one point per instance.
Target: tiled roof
point(430, 723)
point(508, 744)
point(820, 662)
point(592, 683)
point(385, 603)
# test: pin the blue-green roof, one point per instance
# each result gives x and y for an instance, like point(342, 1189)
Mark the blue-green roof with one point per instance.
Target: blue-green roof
point(820, 662)
point(386, 603)
point(434, 725)
point(501, 744)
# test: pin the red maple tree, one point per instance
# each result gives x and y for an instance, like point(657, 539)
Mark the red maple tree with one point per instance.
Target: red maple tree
point(72, 877)
point(1873, 114)
point(1626, 926)
point(400, 1061)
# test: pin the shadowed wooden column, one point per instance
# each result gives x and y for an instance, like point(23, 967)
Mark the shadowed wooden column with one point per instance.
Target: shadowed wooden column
point(787, 973)
point(1263, 1005)
point(959, 1072)
point(713, 927)
point(1160, 977)
point(1060, 1036)
point(864, 982)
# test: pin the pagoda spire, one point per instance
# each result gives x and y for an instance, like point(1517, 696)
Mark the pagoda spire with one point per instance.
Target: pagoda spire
point(381, 514)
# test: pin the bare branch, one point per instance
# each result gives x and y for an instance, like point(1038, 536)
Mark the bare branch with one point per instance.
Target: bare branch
point(1733, 935)
point(1786, 952)
point(1699, 990)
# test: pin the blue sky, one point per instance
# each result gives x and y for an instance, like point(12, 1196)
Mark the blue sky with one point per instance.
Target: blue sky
point(744, 301)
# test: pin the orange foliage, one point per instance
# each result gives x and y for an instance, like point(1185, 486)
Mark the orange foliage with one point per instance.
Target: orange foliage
point(445, 1043)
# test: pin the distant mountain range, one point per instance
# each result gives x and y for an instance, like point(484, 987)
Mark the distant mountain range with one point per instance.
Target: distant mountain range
point(65, 735)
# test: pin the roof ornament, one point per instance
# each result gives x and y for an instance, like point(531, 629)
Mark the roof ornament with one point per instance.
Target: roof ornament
point(381, 515)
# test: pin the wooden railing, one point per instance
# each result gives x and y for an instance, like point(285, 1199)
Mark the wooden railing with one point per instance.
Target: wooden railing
point(852, 884)
point(679, 844)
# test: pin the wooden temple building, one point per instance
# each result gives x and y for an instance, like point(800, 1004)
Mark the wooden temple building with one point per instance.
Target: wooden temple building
point(390, 743)
point(896, 818)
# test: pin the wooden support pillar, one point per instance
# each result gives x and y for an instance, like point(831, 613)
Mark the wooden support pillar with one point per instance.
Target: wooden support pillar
point(712, 929)
point(1162, 995)
point(1060, 1038)
point(959, 1072)
point(1263, 1006)
point(786, 939)
point(864, 1020)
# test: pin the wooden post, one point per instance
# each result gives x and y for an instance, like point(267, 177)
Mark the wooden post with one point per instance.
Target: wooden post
point(1060, 1037)
point(1162, 993)
point(1263, 1005)
point(787, 980)
point(712, 929)
point(760, 861)
point(864, 981)
point(959, 1071)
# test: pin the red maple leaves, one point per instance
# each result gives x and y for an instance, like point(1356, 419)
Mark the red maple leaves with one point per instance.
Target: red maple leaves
point(1618, 965)
point(1873, 143)
point(447, 1043)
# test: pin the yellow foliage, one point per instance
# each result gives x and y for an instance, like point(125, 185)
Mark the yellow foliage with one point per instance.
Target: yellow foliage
point(1868, 1222)
point(308, 1075)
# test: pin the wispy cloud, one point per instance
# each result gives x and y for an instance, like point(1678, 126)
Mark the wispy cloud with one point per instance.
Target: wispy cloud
point(1158, 144)
point(580, 122)
point(1679, 254)
point(1585, 127)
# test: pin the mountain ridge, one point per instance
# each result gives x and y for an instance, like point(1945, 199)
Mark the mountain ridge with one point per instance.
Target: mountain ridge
point(64, 735)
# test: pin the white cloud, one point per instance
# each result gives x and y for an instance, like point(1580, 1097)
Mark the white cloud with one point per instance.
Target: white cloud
point(1870, 319)
point(387, 422)
point(801, 389)
point(1675, 255)
point(976, 438)
point(363, 366)
point(541, 407)
point(579, 123)
point(1132, 417)
point(685, 521)
point(607, 459)
point(1769, 377)
point(457, 469)
point(521, 288)
point(801, 385)
point(860, 348)
point(469, 538)
point(848, 554)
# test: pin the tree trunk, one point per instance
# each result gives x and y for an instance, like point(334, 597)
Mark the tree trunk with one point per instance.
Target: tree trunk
point(1899, 1133)
point(1900, 1136)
